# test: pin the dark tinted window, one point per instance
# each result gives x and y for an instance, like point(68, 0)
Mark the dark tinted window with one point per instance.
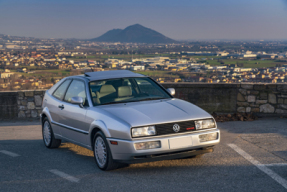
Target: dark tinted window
point(60, 91)
point(76, 89)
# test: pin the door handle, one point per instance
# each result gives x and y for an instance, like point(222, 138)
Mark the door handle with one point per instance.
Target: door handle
point(61, 106)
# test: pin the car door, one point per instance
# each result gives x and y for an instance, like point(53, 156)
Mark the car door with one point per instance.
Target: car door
point(72, 116)
point(54, 104)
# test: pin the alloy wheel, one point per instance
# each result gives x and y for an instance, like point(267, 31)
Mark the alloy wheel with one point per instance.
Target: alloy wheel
point(100, 151)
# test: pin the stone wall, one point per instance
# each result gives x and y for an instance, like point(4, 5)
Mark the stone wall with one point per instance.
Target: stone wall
point(21, 104)
point(262, 98)
point(211, 97)
point(269, 99)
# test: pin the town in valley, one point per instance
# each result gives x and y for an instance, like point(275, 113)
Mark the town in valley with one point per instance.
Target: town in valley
point(33, 63)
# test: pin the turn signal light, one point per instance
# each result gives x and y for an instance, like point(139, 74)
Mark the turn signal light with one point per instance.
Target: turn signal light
point(114, 142)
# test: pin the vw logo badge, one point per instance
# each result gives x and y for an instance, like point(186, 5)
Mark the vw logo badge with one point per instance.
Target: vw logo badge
point(176, 128)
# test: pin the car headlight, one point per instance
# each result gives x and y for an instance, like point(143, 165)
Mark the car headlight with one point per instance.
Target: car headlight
point(204, 124)
point(143, 131)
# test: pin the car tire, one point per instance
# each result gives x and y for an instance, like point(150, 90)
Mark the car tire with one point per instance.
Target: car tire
point(48, 135)
point(102, 153)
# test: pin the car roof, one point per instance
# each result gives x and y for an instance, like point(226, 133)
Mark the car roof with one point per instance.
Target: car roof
point(100, 75)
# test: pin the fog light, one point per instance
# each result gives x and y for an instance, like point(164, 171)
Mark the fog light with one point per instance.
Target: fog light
point(147, 145)
point(208, 137)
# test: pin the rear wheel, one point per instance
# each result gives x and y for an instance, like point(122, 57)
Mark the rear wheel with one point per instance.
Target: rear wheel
point(48, 135)
point(102, 153)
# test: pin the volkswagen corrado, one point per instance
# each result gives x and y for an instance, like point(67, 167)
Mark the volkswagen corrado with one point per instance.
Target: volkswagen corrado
point(125, 117)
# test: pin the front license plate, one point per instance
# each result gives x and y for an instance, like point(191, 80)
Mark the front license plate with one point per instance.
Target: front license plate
point(180, 142)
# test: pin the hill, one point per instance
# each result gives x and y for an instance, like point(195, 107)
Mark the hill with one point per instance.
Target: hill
point(134, 34)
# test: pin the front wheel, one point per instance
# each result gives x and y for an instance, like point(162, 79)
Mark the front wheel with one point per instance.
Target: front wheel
point(102, 153)
point(48, 135)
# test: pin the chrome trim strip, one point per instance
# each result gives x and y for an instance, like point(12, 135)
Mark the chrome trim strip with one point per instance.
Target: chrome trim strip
point(71, 128)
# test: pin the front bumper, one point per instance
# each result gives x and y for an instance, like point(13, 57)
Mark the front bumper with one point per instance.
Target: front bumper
point(126, 152)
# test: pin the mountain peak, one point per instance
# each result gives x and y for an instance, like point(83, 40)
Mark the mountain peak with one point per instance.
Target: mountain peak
point(134, 34)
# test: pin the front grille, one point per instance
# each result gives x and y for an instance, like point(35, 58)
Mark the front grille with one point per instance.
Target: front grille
point(167, 128)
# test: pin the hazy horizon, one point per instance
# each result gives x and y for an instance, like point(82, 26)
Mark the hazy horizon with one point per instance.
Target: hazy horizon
point(180, 20)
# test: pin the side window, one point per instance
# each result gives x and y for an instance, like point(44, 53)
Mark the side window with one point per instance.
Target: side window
point(60, 91)
point(76, 89)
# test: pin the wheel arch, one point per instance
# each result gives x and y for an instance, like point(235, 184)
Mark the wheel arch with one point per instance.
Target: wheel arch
point(45, 113)
point(96, 126)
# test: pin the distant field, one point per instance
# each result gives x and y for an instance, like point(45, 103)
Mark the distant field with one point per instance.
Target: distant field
point(159, 73)
point(125, 57)
point(55, 73)
point(246, 63)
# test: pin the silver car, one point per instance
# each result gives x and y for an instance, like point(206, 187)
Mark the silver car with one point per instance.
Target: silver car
point(125, 117)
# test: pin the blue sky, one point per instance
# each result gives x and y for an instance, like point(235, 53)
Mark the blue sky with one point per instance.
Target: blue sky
point(178, 19)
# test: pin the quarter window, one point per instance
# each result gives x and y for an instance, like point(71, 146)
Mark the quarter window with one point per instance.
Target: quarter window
point(60, 91)
point(76, 89)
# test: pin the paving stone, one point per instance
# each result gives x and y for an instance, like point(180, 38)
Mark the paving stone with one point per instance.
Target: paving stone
point(29, 93)
point(283, 106)
point(39, 92)
point(272, 87)
point(263, 95)
point(242, 104)
point(30, 98)
point(34, 113)
point(21, 114)
point(247, 86)
point(31, 105)
point(280, 100)
point(254, 92)
point(248, 109)
point(240, 97)
point(261, 101)
point(282, 88)
point(280, 111)
point(259, 87)
point(267, 108)
point(241, 109)
point(23, 102)
point(254, 105)
point(38, 100)
point(20, 94)
point(255, 110)
point(272, 98)
point(22, 107)
point(251, 98)
point(242, 91)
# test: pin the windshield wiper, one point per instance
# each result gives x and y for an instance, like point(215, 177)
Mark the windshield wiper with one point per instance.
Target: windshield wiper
point(113, 102)
point(153, 98)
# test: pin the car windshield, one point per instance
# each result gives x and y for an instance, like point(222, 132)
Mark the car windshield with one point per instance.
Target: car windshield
point(125, 90)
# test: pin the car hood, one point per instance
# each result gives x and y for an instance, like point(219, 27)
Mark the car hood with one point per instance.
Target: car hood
point(155, 112)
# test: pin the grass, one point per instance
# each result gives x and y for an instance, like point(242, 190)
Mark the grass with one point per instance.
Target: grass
point(55, 73)
point(159, 73)
point(246, 63)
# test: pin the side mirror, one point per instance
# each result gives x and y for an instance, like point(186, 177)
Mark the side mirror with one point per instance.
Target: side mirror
point(171, 91)
point(77, 100)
